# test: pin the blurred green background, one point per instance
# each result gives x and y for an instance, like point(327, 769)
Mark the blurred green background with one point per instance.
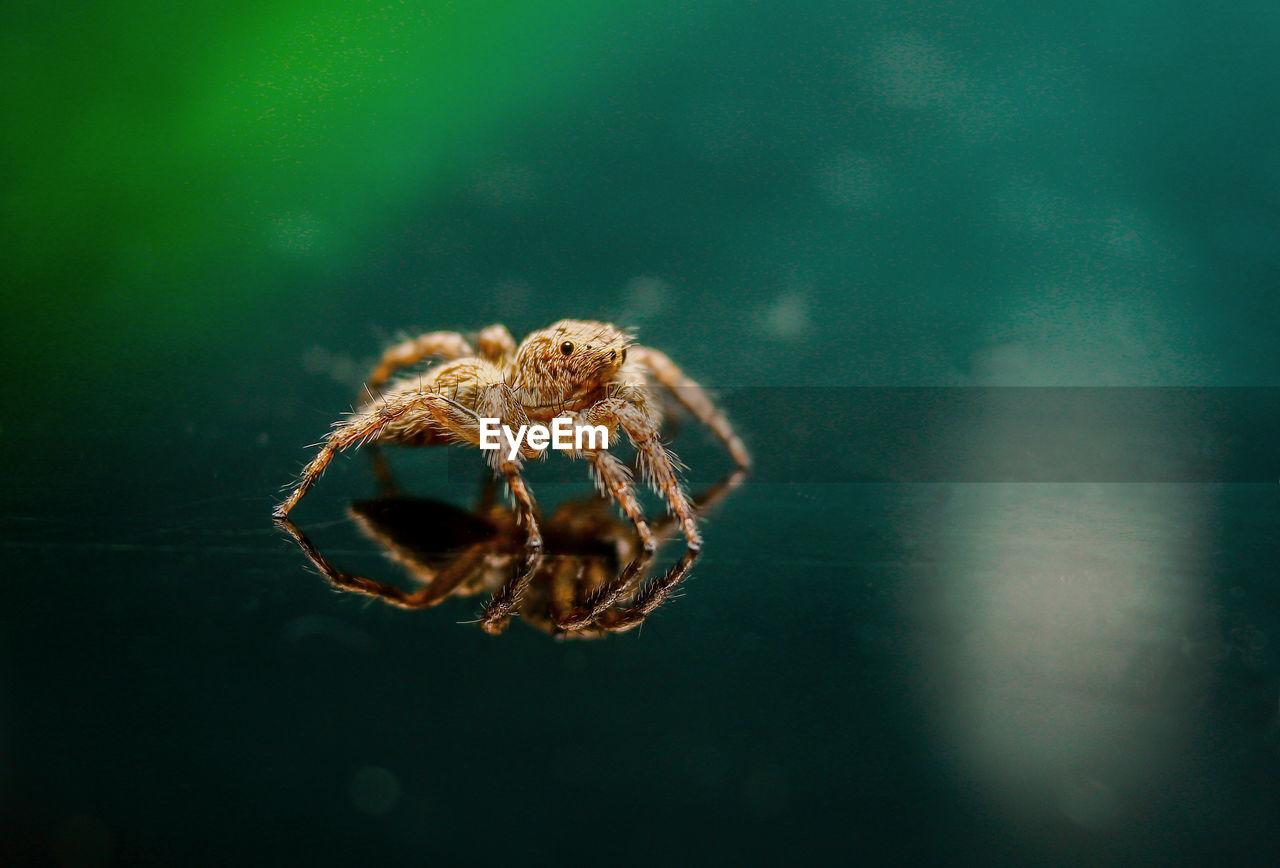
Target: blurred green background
point(215, 215)
point(989, 189)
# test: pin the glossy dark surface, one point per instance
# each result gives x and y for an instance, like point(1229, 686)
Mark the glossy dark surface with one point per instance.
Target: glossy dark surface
point(888, 651)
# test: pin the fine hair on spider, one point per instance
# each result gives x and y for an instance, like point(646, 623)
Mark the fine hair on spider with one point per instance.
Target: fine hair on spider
point(591, 373)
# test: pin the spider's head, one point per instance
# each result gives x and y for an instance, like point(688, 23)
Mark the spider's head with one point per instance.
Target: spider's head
point(569, 358)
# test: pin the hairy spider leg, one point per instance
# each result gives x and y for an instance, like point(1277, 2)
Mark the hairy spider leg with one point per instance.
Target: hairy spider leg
point(358, 429)
point(437, 588)
point(522, 496)
point(398, 417)
point(497, 400)
point(651, 596)
point(613, 480)
point(447, 345)
point(655, 461)
point(604, 596)
point(693, 397)
point(498, 613)
point(664, 525)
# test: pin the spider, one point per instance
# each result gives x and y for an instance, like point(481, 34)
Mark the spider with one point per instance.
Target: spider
point(589, 372)
point(589, 583)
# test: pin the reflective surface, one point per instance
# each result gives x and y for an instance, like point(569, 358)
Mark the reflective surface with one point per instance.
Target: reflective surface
point(1086, 672)
point(942, 638)
point(587, 579)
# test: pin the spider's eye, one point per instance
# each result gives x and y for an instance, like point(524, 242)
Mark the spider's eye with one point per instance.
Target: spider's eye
point(566, 347)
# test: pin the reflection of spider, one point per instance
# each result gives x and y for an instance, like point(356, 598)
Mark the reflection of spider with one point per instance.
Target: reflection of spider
point(574, 369)
point(588, 582)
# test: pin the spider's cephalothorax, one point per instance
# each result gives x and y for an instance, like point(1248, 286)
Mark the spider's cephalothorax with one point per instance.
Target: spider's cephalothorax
point(588, 372)
point(566, 365)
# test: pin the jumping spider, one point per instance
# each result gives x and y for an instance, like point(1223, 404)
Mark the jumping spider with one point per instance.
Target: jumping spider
point(589, 372)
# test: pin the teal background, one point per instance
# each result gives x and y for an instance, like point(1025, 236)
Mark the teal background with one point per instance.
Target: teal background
point(216, 215)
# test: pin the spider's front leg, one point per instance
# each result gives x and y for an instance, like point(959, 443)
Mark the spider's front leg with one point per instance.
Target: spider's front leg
point(656, 462)
point(662, 526)
point(361, 428)
point(400, 417)
point(613, 480)
point(692, 397)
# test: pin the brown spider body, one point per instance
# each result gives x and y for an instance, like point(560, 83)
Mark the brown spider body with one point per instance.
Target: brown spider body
point(588, 372)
